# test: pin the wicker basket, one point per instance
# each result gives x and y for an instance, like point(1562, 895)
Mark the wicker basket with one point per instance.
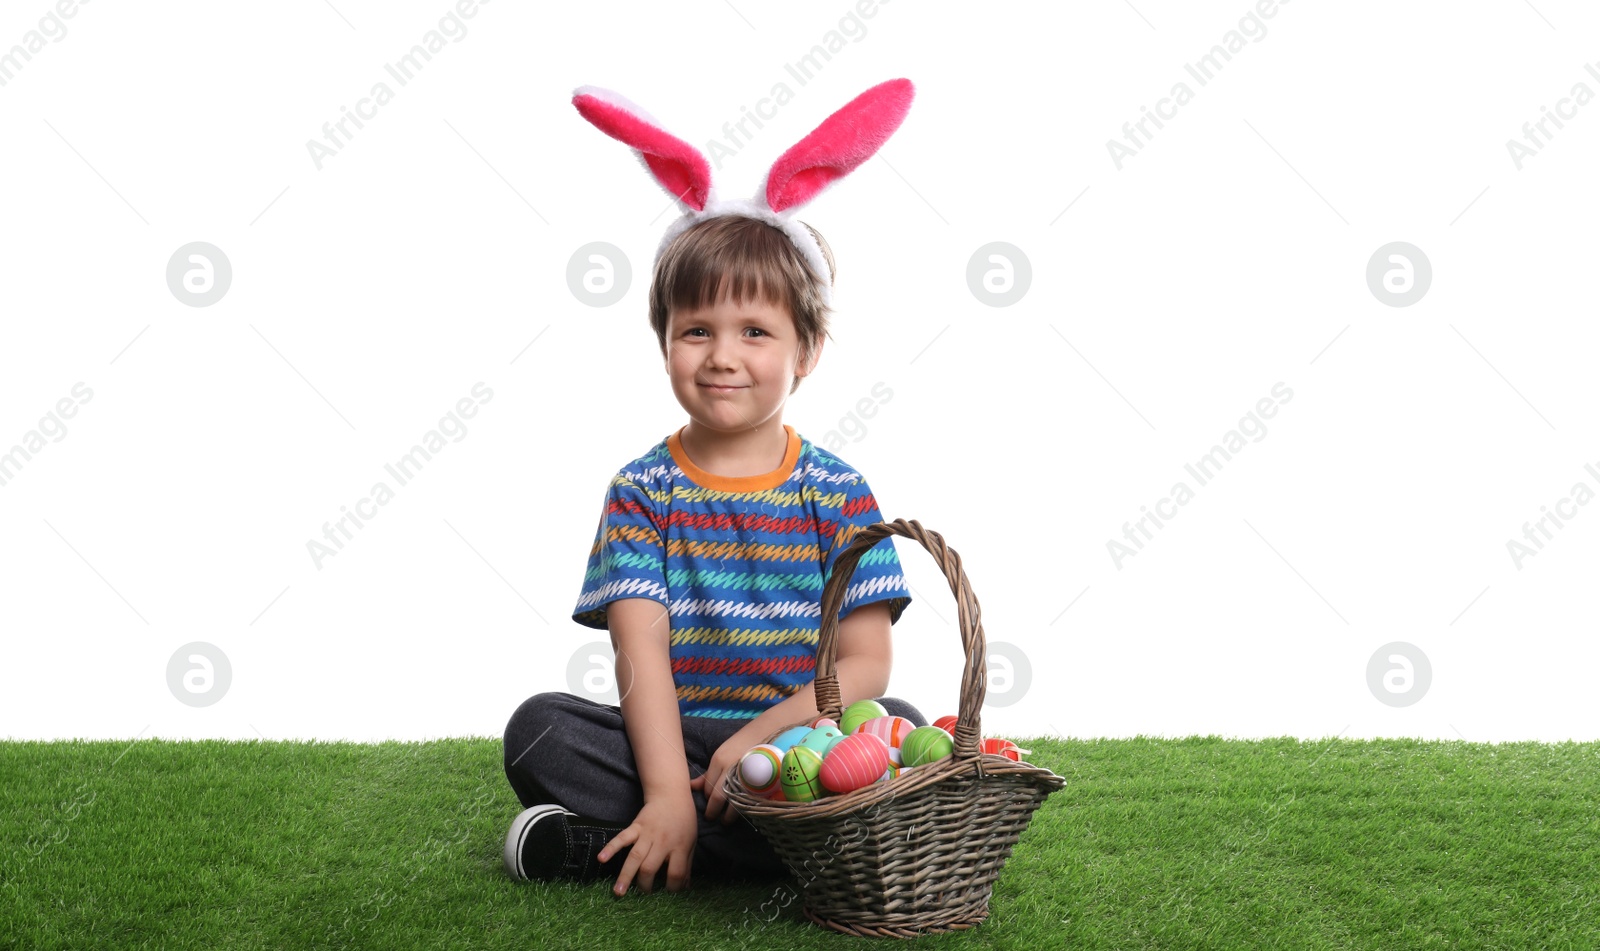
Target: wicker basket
point(918, 854)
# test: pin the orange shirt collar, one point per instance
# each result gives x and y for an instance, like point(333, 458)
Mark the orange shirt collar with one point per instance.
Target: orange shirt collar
point(752, 483)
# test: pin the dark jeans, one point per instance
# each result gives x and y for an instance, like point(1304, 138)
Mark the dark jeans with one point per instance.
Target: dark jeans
point(564, 749)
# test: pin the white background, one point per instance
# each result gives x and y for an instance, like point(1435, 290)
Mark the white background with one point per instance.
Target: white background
point(1167, 298)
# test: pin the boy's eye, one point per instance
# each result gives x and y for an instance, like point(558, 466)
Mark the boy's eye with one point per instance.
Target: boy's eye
point(698, 330)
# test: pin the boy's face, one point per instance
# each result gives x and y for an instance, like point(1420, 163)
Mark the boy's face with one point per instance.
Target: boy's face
point(751, 349)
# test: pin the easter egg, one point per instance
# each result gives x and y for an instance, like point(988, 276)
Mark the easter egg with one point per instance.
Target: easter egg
point(947, 724)
point(855, 761)
point(860, 712)
point(894, 755)
point(824, 721)
point(802, 767)
point(758, 770)
point(890, 773)
point(891, 730)
point(790, 737)
point(1002, 747)
point(926, 744)
point(822, 739)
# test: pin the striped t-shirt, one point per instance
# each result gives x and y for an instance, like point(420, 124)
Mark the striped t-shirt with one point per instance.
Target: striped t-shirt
point(740, 563)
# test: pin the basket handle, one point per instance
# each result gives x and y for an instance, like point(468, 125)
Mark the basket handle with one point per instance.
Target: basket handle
point(975, 671)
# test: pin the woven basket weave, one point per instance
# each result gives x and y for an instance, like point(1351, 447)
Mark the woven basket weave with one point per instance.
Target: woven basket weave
point(918, 854)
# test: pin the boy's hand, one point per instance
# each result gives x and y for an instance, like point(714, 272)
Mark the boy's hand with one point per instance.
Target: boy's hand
point(663, 835)
point(709, 782)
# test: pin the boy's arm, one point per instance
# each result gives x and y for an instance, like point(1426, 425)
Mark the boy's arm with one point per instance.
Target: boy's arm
point(863, 663)
point(664, 833)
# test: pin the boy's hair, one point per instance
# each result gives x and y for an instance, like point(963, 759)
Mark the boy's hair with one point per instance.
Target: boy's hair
point(749, 260)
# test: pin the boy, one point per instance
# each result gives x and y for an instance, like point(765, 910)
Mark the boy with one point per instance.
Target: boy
point(707, 569)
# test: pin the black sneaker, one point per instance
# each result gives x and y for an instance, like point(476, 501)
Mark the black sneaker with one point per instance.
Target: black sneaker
point(550, 841)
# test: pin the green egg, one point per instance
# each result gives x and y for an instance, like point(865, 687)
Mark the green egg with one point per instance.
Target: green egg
point(860, 712)
point(822, 739)
point(926, 744)
point(800, 774)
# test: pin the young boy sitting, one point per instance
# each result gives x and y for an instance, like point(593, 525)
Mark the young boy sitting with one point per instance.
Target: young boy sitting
point(713, 548)
point(707, 569)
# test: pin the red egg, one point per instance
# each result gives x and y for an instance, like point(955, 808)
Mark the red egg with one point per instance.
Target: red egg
point(855, 761)
point(947, 724)
point(1002, 747)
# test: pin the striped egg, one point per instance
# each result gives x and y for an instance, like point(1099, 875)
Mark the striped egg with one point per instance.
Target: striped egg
point(926, 744)
point(758, 770)
point(890, 773)
point(1001, 747)
point(800, 774)
point(860, 712)
point(855, 761)
point(891, 730)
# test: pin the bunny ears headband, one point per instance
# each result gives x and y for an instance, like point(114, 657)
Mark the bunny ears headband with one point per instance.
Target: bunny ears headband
point(833, 150)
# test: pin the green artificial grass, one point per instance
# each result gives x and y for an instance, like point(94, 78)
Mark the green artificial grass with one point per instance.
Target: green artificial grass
point(1154, 843)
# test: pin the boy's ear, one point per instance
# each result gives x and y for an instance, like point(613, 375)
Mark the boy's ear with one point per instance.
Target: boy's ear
point(805, 368)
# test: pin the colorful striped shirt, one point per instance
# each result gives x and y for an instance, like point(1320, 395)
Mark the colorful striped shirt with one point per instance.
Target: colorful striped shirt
point(739, 562)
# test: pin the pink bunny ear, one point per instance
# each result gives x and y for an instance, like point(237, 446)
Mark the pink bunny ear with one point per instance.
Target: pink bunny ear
point(843, 141)
point(677, 165)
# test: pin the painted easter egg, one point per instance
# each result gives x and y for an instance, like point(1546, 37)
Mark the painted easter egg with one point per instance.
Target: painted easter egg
point(891, 730)
point(824, 721)
point(855, 761)
point(894, 755)
point(822, 739)
point(947, 724)
point(801, 772)
point(890, 773)
point(790, 737)
point(860, 712)
point(926, 744)
point(758, 770)
point(1002, 747)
